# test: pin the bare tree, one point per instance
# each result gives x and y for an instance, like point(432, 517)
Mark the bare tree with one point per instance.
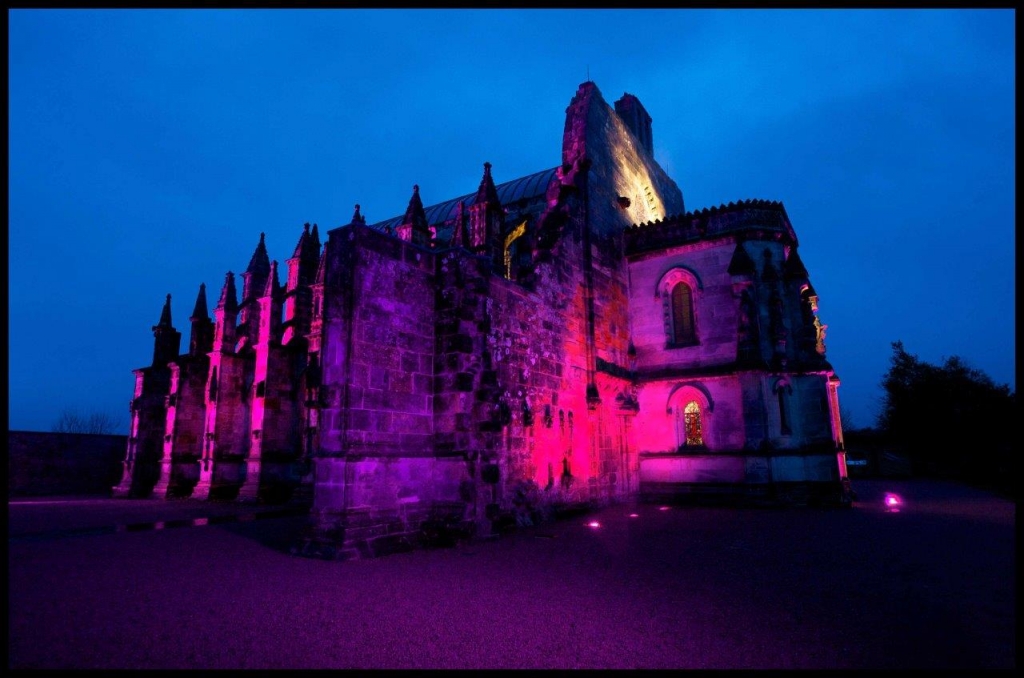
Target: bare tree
point(846, 417)
point(72, 421)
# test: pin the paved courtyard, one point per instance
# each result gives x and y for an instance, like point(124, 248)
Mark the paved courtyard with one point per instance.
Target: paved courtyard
point(111, 584)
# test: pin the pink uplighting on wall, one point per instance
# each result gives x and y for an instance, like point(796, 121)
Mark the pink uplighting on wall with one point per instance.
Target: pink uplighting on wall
point(594, 524)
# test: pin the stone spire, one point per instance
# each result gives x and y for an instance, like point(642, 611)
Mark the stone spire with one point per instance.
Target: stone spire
point(260, 263)
point(414, 227)
point(303, 262)
point(226, 316)
point(486, 217)
point(301, 274)
point(301, 245)
point(255, 275)
point(358, 218)
point(228, 296)
point(201, 338)
point(254, 279)
point(166, 340)
point(487, 193)
point(165, 314)
point(200, 311)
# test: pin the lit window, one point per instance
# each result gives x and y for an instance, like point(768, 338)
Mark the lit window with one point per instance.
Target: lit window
point(692, 424)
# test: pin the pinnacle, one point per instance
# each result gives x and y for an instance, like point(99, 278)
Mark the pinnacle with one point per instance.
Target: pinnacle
point(358, 218)
point(302, 241)
point(260, 262)
point(487, 193)
point(200, 312)
point(414, 214)
point(228, 298)
point(165, 314)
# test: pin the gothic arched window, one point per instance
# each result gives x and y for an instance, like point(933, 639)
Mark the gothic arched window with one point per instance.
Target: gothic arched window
point(692, 428)
point(680, 290)
point(691, 406)
point(683, 331)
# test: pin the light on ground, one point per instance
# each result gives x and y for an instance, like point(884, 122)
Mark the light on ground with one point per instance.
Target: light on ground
point(892, 502)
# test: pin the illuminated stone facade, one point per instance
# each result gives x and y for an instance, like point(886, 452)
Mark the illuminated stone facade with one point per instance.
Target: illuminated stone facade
point(569, 337)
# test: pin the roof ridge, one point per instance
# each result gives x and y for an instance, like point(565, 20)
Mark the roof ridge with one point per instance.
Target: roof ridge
point(467, 199)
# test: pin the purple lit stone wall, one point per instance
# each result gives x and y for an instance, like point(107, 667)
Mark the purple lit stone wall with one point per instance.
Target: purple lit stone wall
point(375, 470)
point(493, 361)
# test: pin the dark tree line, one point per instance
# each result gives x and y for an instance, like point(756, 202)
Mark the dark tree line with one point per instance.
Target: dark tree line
point(951, 419)
point(73, 421)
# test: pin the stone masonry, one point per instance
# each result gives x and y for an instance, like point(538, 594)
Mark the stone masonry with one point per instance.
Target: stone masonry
point(569, 338)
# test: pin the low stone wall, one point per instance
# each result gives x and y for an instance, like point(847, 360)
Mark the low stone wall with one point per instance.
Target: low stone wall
point(49, 464)
point(788, 478)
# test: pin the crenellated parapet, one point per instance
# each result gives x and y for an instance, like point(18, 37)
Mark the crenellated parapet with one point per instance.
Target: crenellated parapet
point(760, 219)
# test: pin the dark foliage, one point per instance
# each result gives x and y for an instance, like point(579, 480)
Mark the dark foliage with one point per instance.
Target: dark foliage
point(952, 420)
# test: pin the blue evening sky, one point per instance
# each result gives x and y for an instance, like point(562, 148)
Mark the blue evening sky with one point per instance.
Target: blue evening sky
point(149, 149)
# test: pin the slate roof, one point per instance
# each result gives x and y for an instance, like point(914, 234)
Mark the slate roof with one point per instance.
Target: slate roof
point(523, 188)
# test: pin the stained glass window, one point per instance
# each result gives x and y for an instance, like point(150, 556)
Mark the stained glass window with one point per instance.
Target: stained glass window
point(692, 424)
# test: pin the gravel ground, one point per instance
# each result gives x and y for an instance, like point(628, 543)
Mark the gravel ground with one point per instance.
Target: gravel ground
point(931, 586)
